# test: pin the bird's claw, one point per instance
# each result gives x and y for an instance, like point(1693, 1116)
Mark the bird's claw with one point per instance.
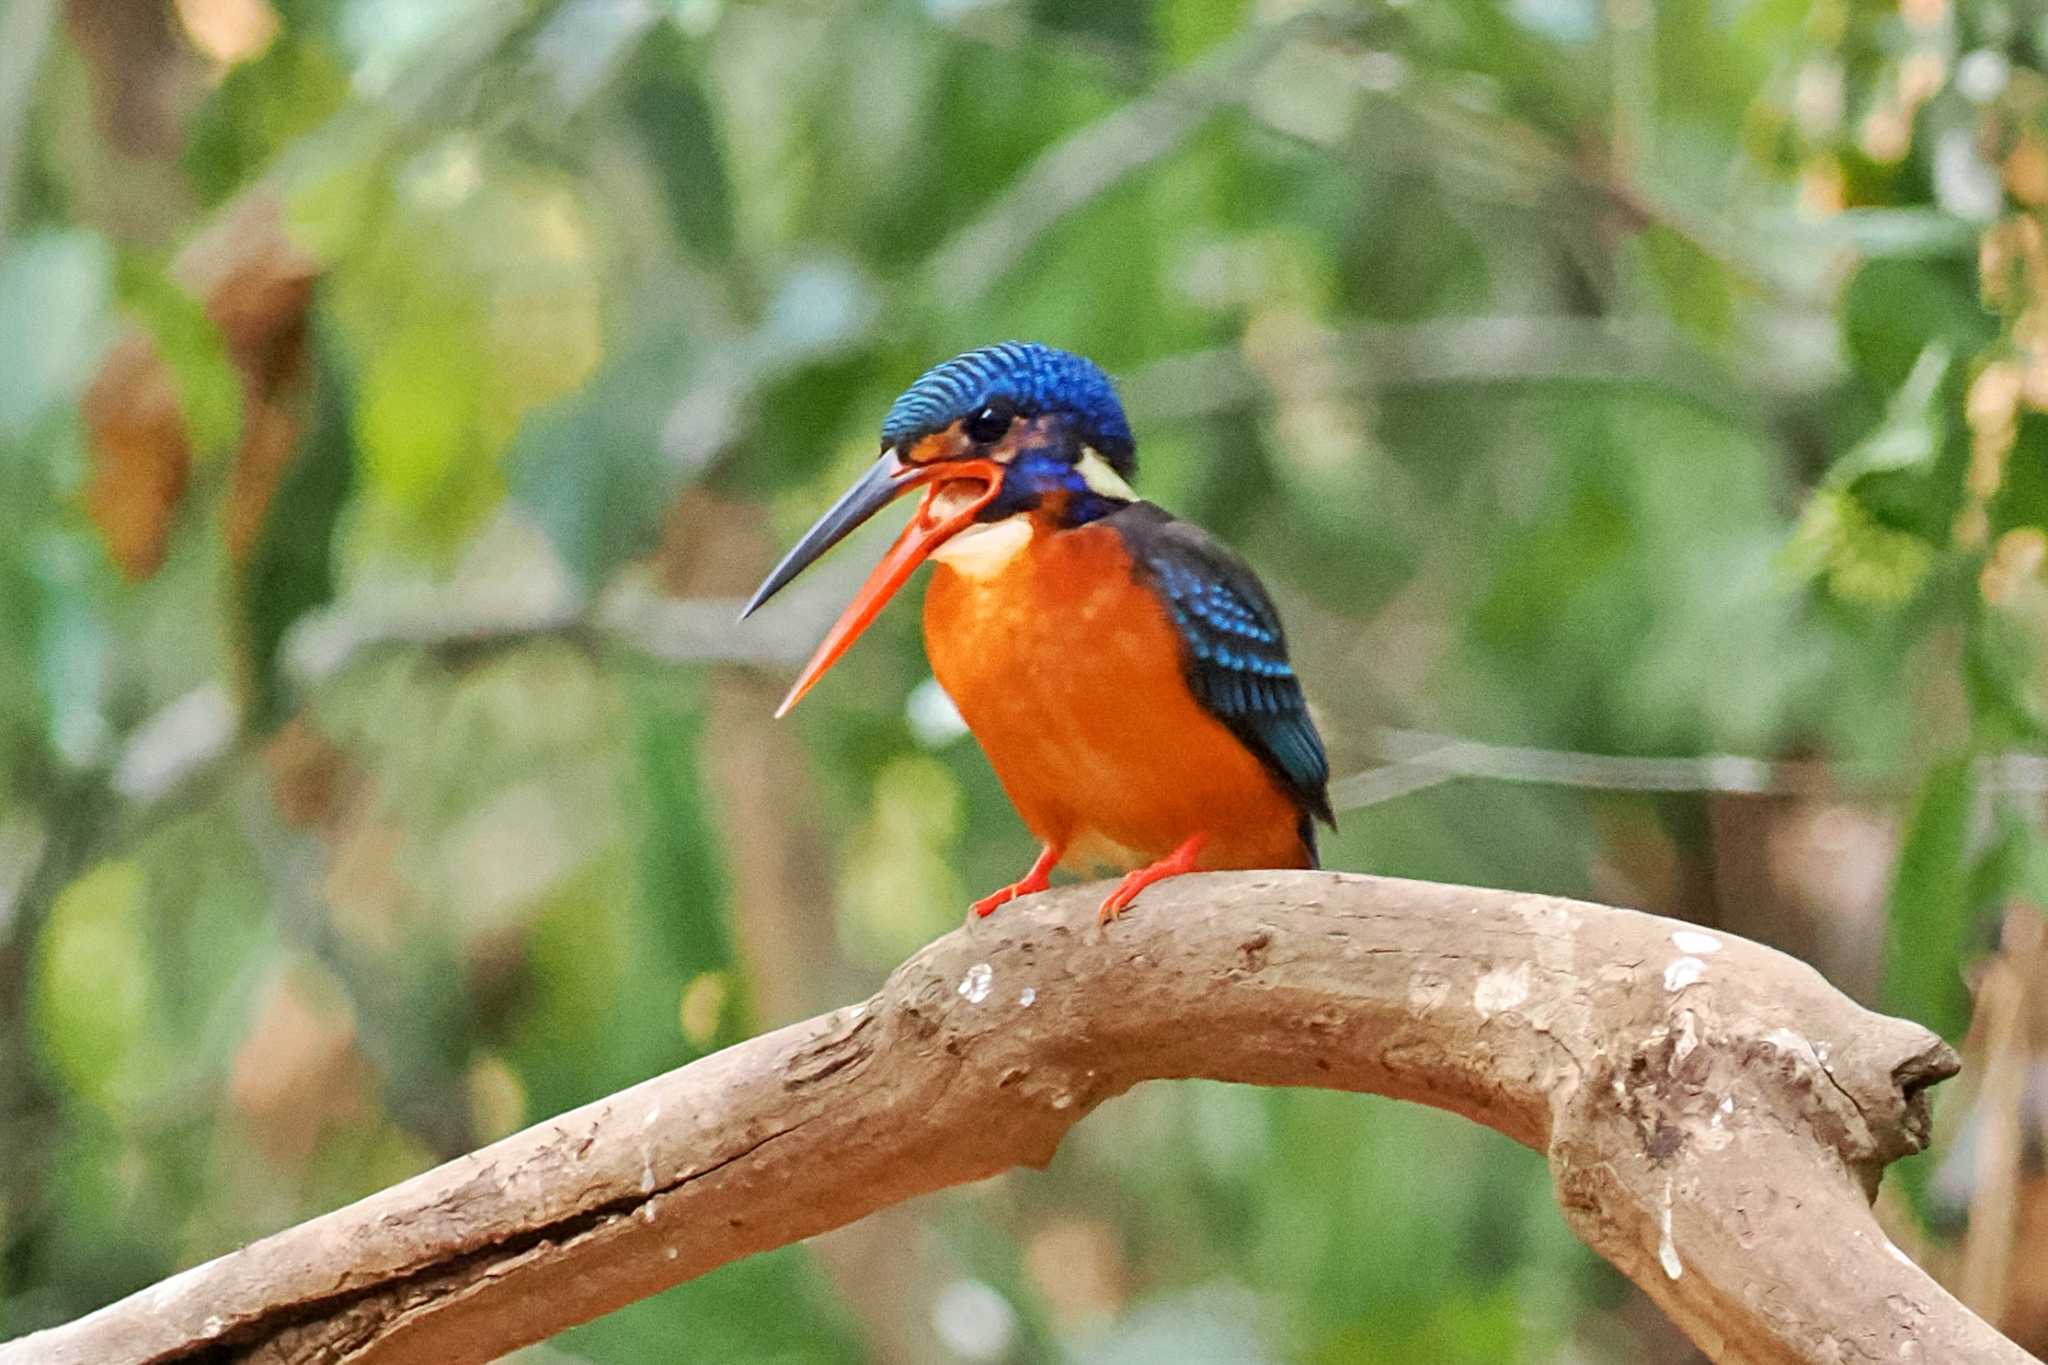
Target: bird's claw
point(1119, 900)
point(987, 904)
point(1181, 860)
point(1039, 878)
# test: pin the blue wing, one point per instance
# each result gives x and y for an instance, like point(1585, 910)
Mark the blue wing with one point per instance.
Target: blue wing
point(1236, 659)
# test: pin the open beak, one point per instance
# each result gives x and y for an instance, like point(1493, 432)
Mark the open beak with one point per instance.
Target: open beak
point(958, 490)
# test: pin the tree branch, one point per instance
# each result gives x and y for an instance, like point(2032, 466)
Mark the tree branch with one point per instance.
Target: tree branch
point(1095, 159)
point(1715, 1114)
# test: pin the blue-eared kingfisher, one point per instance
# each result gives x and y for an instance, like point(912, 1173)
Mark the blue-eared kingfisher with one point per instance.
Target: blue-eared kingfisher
point(1123, 670)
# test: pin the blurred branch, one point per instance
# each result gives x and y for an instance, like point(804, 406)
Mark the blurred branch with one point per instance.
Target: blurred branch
point(701, 630)
point(1716, 1117)
point(174, 746)
point(673, 630)
point(1473, 150)
point(25, 29)
point(1500, 349)
point(1420, 760)
point(75, 814)
point(1096, 159)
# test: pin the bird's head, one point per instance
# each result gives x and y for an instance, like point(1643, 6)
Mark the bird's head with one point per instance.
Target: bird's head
point(1011, 430)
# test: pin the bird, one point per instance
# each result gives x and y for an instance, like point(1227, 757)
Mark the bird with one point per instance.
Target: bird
point(1124, 671)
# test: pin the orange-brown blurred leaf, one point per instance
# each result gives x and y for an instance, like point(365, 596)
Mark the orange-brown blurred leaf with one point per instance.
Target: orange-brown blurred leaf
point(140, 456)
point(298, 1072)
point(2026, 171)
point(310, 776)
point(257, 287)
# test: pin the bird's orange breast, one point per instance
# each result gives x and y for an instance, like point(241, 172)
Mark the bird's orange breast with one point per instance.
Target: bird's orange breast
point(1068, 670)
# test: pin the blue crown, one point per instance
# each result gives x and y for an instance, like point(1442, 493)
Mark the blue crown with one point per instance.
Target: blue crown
point(1035, 379)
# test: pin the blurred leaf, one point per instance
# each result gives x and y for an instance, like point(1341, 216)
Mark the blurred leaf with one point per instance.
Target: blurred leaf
point(899, 885)
point(2002, 662)
point(259, 109)
point(1928, 913)
point(1916, 423)
point(1640, 586)
point(54, 289)
point(665, 104)
point(336, 185)
point(1124, 25)
point(1695, 285)
point(1460, 1329)
point(592, 466)
point(94, 990)
point(297, 1074)
point(188, 344)
point(683, 902)
point(1894, 310)
point(140, 456)
point(419, 416)
point(2022, 498)
point(1863, 562)
point(411, 52)
point(1186, 31)
point(2009, 866)
point(578, 954)
point(71, 644)
point(769, 1308)
point(472, 300)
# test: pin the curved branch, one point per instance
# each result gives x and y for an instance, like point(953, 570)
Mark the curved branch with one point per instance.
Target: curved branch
point(1715, 1114)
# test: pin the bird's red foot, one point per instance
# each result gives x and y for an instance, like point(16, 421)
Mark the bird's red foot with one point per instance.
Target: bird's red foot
point(1173, 864)
point(1031, 883)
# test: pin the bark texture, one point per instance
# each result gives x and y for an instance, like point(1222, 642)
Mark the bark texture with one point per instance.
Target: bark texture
point(1716, 1117)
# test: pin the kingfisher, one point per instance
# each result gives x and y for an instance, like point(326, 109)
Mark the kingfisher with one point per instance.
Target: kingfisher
point(1123, 670)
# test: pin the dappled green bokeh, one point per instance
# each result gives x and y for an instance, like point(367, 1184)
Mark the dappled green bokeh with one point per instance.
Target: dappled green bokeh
point(392, 409)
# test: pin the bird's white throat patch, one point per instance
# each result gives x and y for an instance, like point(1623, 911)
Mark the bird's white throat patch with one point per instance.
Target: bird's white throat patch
point(983, 551)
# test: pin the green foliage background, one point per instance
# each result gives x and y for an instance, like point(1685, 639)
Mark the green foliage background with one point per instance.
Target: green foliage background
point(1642, 380)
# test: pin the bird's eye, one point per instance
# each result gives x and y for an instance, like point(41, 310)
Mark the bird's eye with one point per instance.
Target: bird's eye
point(989, 425)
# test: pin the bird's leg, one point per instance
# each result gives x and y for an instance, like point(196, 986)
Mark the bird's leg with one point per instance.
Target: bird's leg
point(1173, 864)
point(1032, 882)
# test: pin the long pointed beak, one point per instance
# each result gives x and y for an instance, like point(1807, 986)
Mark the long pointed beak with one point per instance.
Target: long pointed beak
point(949, 507)
point(887, 479)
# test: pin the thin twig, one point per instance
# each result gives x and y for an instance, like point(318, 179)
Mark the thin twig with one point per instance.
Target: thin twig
point(700, 631)
point(1419, 760)
point(1094, 160)
point(1493, 349)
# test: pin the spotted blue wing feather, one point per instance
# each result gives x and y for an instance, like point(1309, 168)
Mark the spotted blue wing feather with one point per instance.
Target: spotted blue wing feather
point(1236, 652)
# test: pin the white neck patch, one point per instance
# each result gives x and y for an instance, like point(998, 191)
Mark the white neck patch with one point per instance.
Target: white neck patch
point(985, 550)
point(1098, 475)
